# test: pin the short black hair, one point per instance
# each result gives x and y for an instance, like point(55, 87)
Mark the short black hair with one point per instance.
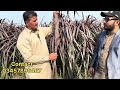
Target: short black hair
point(28, 14)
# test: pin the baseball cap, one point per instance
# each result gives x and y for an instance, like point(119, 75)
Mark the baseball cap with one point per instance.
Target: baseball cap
point(115, 14)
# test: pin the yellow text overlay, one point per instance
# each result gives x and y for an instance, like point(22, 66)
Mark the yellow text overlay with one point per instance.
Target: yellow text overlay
point(21, 70)
point(21, 64)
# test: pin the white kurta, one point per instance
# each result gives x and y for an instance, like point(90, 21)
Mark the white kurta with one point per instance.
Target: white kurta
point(33, 47)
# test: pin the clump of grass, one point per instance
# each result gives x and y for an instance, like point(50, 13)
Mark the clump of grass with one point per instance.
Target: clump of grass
point(74, 41)
point(9, 33)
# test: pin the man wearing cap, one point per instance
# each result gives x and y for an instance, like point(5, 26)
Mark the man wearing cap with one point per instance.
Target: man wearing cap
point(106, 59)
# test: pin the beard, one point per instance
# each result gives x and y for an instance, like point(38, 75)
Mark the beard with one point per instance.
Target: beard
point(109, 27)
point(34, 29)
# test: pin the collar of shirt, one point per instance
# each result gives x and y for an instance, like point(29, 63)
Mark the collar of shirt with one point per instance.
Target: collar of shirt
point(111, 33)
point(30, 31)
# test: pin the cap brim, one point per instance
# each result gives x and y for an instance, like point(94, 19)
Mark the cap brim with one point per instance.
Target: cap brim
point(104, 14)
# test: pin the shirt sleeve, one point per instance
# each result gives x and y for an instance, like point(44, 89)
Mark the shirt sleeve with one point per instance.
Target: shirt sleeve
point(46, 30)
point(25, 49)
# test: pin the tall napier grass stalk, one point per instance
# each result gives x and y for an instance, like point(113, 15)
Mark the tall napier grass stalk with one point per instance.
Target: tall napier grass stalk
point(56, 38)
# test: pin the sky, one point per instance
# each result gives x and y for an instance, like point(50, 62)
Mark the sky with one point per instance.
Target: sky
point(44, 16)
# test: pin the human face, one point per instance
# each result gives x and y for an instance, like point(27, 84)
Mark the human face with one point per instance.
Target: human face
point(109, 23)
point(32, 23)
